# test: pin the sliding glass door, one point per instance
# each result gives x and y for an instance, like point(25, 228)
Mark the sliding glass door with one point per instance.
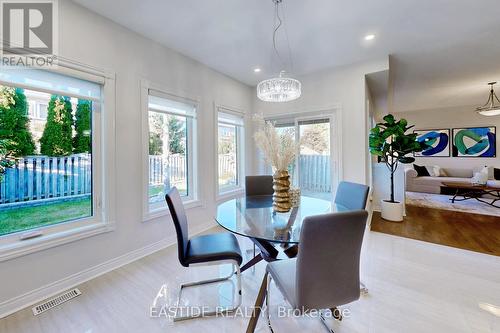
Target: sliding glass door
point(314, 158)
point(312, 169)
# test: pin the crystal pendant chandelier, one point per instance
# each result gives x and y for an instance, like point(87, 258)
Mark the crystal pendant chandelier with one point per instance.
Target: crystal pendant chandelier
point(281, 88)
point(492, 107)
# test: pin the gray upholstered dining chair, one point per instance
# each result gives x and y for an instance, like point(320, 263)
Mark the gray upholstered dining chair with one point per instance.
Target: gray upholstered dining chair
point(258, 185)
point(352, 195)
point(325, 273)
point(209, 249)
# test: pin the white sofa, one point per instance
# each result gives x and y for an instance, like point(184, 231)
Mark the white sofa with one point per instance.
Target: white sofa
point(431, 184)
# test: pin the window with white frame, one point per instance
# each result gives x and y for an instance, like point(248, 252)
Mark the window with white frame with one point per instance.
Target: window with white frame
point(230, 155)
point(171, 147)
point(50, 150)
point(42, 110)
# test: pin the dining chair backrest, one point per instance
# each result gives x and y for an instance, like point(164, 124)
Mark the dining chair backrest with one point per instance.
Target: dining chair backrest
point(328, 261)
point(352, 195)
point(179, 218)
point(258, 185)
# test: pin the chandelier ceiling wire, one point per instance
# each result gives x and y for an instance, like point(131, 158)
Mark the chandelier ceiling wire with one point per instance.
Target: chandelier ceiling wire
point(281, 88)
point(276, 28)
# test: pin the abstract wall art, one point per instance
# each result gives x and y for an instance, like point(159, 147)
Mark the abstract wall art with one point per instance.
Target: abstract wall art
point(474, 142)
point(438, 142)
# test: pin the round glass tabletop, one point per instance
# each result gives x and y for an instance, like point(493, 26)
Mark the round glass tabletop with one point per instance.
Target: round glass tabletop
point(253, 217)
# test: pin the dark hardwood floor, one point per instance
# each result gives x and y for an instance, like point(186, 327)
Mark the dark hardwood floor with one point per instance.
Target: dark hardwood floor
point(480, 233)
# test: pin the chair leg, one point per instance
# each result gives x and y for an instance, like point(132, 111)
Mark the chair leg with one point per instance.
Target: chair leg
point(268, 316)
point(325, 324)
point(336, 314)
point(178, 317)
point(254, 254)
point(363, 289)
point(335, 311)
point(238, 281)
point(254, 250)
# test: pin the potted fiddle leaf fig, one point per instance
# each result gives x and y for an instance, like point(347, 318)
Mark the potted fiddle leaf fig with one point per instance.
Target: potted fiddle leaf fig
point(389, 141)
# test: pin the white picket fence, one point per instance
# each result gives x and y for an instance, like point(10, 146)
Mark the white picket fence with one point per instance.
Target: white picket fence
point(315, 170)
point(42, 177)
point(315, 173)
point(175, 166)
point(227, 165)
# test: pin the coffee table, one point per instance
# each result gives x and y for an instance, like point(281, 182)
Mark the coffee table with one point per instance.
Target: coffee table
point(468, 191)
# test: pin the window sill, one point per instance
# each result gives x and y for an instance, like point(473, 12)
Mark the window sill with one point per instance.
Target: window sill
point(230, 194)
point(161, 212)
point(20, 248)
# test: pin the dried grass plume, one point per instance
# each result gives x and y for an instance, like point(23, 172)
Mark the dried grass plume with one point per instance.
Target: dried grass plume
point(279, 150)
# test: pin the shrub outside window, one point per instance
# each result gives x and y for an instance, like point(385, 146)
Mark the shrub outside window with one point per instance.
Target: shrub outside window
point(171, 137)
point(46, 134)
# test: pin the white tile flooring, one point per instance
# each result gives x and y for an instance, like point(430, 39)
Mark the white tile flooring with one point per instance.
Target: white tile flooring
point(413, 287)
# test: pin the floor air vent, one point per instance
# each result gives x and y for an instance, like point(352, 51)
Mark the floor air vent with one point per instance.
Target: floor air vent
point(55, 301)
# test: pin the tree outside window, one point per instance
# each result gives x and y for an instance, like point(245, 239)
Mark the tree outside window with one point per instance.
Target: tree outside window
point(60, 174)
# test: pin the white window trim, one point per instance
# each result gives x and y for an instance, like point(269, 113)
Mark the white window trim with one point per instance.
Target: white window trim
point(103, 219)
point(232, 191)
point(193, 200)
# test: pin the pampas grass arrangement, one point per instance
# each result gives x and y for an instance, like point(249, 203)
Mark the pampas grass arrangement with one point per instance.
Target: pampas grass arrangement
point(279, 150)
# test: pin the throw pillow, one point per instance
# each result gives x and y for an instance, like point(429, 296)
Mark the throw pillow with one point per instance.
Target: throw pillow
point(442, 173)
point(480, 178)
point(433, 170)
point(496, 173)
point(421, 170)
point(488, 171)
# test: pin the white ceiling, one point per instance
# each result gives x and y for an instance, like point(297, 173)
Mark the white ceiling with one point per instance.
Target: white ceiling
point(444, 50)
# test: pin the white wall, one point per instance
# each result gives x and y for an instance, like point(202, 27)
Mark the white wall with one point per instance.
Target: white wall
point(452, 118)
point(344, 87)
point(96, 41)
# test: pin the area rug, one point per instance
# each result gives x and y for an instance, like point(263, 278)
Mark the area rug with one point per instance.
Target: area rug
point(440, 201)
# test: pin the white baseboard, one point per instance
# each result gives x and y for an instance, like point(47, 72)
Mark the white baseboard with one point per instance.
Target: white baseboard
point(37, 295)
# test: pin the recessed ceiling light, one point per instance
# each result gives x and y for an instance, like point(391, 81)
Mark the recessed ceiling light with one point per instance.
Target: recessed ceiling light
point(257, 70)
point(370, 37)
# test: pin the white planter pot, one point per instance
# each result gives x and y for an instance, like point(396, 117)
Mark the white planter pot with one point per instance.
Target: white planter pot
point(392, 211)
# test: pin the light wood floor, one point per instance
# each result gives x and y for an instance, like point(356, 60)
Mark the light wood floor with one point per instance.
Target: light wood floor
point(414, 287)
point(475, 232)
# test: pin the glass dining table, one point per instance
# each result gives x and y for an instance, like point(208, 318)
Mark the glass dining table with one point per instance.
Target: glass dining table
point(275, 234)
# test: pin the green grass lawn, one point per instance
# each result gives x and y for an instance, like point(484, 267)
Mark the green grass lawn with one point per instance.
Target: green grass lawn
point(154, 190)
point(29, 217)
point(157, 190)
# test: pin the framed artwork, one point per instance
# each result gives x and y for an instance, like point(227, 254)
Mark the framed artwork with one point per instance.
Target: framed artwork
point(438, 141)
point(474, 142)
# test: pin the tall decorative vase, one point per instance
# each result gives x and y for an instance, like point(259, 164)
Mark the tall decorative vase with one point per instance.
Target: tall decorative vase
point(281, 187)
